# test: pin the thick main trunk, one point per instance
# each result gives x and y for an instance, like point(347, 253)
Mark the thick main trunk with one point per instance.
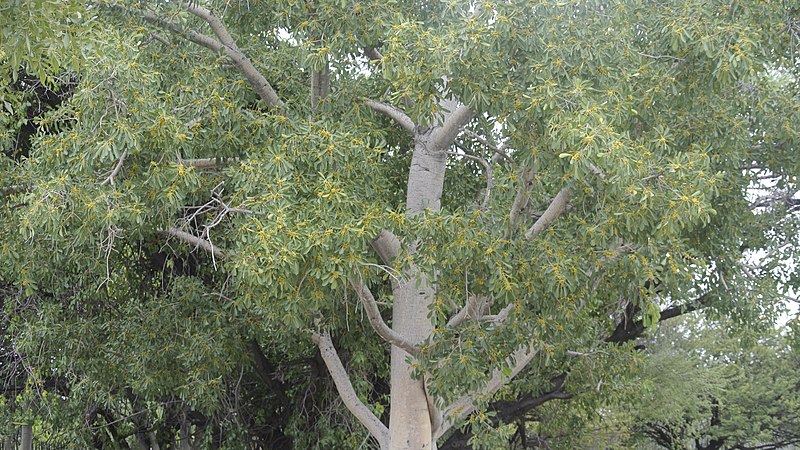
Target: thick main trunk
point(410, 421)
point(411, 425)
point(27, 437)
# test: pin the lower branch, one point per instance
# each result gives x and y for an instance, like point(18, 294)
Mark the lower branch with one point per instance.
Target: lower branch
point(463, 407)
point(345, 389)
point(506, 411)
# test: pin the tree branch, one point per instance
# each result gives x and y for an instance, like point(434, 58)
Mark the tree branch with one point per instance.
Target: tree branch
point(628, 330)
point(454, 121)
point(509, 410)
point(463, 407)
point(375, 319)
point(117, 168)
point(196, 241)
point(499, 151)
point(500, 317)
point(556, 208)
point(208, 163)
point(372, 53)
point(393, 113)
point(345, 388)
point(387, 246)
point(320, 86)
point(214, 22)
point(473, 309)
point(225, 45)
point(520, 201)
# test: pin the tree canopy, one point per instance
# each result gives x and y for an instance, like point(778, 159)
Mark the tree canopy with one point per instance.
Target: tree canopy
point(330, 224)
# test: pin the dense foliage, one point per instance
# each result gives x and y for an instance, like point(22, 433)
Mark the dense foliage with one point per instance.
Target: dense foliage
point(192, 197)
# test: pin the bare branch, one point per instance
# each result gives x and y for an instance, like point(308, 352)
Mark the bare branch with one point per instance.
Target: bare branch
point(117, 168)
point(520, 201)
point(375, 319)
point(214, 22)
point(345, 389)
point(160, 38)
point(585, 354)
point(196, 241)
point(454, 121)
point(393, 113)
point(557, 206)
point(500, 317)
point(240, 60)
point(193, 36)
point(208, 163)
point(466, 405)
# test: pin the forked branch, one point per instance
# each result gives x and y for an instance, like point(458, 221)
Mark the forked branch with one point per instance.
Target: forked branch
point(474, 308)
point(345, 389)
point(223, 44)
point(117, 168)
point(375, 319)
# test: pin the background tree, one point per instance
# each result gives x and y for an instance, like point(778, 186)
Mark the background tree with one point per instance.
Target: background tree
point(715, 393)
point(249, 214)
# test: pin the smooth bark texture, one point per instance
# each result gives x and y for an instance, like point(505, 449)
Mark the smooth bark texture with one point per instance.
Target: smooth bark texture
point(345, 388)
point(375, 319)
point(26, 437)
point(413, 421)
point(556, 208)
point(410, 421)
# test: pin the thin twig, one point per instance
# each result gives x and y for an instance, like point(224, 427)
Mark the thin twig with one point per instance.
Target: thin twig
point(117, 168)
point(499, 151)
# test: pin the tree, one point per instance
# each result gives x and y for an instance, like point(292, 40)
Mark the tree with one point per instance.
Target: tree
point(716, 393)
point(482, 189)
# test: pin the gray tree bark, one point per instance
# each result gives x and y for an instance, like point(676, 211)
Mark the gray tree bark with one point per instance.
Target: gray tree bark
point(413, 422)
point(27, 437)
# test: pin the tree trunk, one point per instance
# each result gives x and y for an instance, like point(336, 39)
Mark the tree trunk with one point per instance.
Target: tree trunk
point(27, 437)
point(410, 420)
